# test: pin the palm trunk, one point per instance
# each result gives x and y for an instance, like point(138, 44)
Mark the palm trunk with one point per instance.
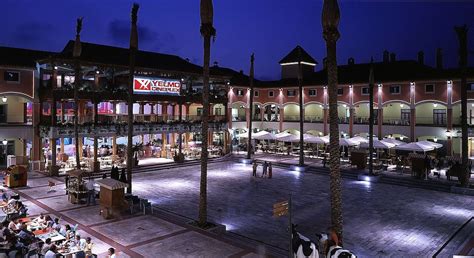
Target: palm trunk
point(463, 52)
point(335, 173)
point(77, 84)
point(371, 119)
point(249, 143)
point(300, 88)
point(204, 131)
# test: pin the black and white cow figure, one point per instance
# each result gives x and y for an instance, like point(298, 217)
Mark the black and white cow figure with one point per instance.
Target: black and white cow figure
point(302, 246)
point(333, 250)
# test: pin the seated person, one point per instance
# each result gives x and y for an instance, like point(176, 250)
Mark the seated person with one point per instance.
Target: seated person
point(79, 242)
point(46, 246)
point(41, 219)
point(56, 225)
point(12, 226)
point(4, 195)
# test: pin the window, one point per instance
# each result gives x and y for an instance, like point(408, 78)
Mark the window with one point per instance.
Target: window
point(240, 92)
point(405, 116)
point(199, 111)
point(255, 93)
point(270, 93)
point(470, 86)
point(439, 116)
point(395, 89)
point(312, 92)
point(429, 88)
point(10, 76)
point(218, 111)
point(291, 93)
point(365, 90)
point(340, 91)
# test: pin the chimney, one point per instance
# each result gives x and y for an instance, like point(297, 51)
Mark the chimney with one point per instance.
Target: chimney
point(439, 58)
point(386, 56)
point(421, 57)
point(325, 63)
point(393, 58)
point(351, 61)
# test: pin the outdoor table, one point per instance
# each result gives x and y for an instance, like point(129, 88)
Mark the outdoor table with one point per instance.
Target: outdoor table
point(24, 220)
point(49, 233)
point(68, 252)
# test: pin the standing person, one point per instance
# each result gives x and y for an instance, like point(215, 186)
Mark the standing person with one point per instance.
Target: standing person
point(270, 174)
point(254, 168)
point(427, 166)
point(88, 248)
point(111, 253)
point(66, 182)
point(265, 167)
point(123, 177)
point(91, 191)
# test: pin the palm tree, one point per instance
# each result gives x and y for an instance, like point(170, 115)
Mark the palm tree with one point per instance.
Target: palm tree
point(330, 22)
point(371, 117)
point(133, 53)
point(249, 145)
point(77, 83)
point(300, 89)
point(207, 31)
point(462, 36)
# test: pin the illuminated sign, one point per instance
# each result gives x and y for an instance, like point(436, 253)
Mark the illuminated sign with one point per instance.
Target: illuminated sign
point(156, 86)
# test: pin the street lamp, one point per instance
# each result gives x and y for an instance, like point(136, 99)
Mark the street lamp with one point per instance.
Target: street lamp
point(449, 134)
point(4, 99)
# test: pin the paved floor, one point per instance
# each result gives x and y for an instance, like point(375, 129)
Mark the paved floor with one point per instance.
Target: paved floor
point(379, 219)
point(133, 236)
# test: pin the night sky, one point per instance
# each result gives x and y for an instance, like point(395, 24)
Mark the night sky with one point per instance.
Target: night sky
point(270, 28)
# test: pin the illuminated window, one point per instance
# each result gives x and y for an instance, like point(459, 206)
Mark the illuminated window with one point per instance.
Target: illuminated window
point(240, 92)
point(291, 93)
point(255, 93)
point(312, 92)
point(365, 91)
point(340, 91)
point(271, 93)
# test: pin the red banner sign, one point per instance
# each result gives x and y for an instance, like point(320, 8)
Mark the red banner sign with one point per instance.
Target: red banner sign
point(158, 86)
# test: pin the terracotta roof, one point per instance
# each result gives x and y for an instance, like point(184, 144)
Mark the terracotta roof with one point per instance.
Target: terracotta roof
point(21, 57)
point(294, 56)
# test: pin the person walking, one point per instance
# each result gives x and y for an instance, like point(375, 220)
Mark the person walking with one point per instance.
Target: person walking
point(270, 170)
point(265, 167)
point(91, 191)
point(254, 168)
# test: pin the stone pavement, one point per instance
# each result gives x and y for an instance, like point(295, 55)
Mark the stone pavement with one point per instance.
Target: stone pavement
point(379, 219)
point(133, 236)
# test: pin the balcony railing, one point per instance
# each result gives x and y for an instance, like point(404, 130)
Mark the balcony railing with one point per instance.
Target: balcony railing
point(15, 120)
point(364, 120)
point(343, 120)
point(138, 119)
point(313, 119)
point(291, 118)
point(395, 121)
point(432, 121)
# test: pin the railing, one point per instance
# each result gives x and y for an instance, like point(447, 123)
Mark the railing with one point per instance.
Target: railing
point(239, 118)
point(343, 120)
point(364, 120)
point(291, 118)
point(15, 120)
point(313, 119)
point(138, 118)
point(395, 121)
point(431, 121)
point(271, 118)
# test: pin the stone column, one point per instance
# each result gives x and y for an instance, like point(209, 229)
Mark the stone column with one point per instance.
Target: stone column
point(180, 135)
point(380, 122)
point(449, 111)
point(282, 114)
point(164, 136)
point(37, 146)
point(325, 120)
point(114, 137)
point(412, 123)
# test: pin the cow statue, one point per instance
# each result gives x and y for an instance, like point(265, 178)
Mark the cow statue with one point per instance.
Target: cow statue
point(302, 246)
point(330, 246)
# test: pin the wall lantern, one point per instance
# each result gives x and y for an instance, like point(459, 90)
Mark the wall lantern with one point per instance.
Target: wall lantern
point(5, 142)
point(4, 99)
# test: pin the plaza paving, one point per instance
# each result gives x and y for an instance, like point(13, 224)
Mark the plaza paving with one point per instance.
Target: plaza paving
point(132, 235)
point(379, 219)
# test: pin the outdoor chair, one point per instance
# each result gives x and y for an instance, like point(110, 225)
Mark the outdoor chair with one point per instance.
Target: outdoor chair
point(146, 204)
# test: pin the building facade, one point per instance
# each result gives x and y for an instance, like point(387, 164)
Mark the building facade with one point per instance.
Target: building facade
point(412, 101)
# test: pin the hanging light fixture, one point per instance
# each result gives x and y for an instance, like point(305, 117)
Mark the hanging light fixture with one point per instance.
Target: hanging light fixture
point(4, 99)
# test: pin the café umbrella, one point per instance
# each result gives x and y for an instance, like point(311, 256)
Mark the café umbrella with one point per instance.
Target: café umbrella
point(432, 144)
point(415, 147)
point(393, 141)
point(377, 145)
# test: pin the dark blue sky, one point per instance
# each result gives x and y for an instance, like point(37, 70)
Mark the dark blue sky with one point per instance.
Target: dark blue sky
point(270, 28)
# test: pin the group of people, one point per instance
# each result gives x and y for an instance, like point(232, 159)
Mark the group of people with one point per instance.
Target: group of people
point(17, 232)
point(115, 174)
point(266, 171)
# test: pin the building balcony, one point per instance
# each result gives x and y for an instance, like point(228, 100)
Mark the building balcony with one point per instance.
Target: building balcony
point(395, 121)
point(431, 121)
point(15, 120)
point(102, 130)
